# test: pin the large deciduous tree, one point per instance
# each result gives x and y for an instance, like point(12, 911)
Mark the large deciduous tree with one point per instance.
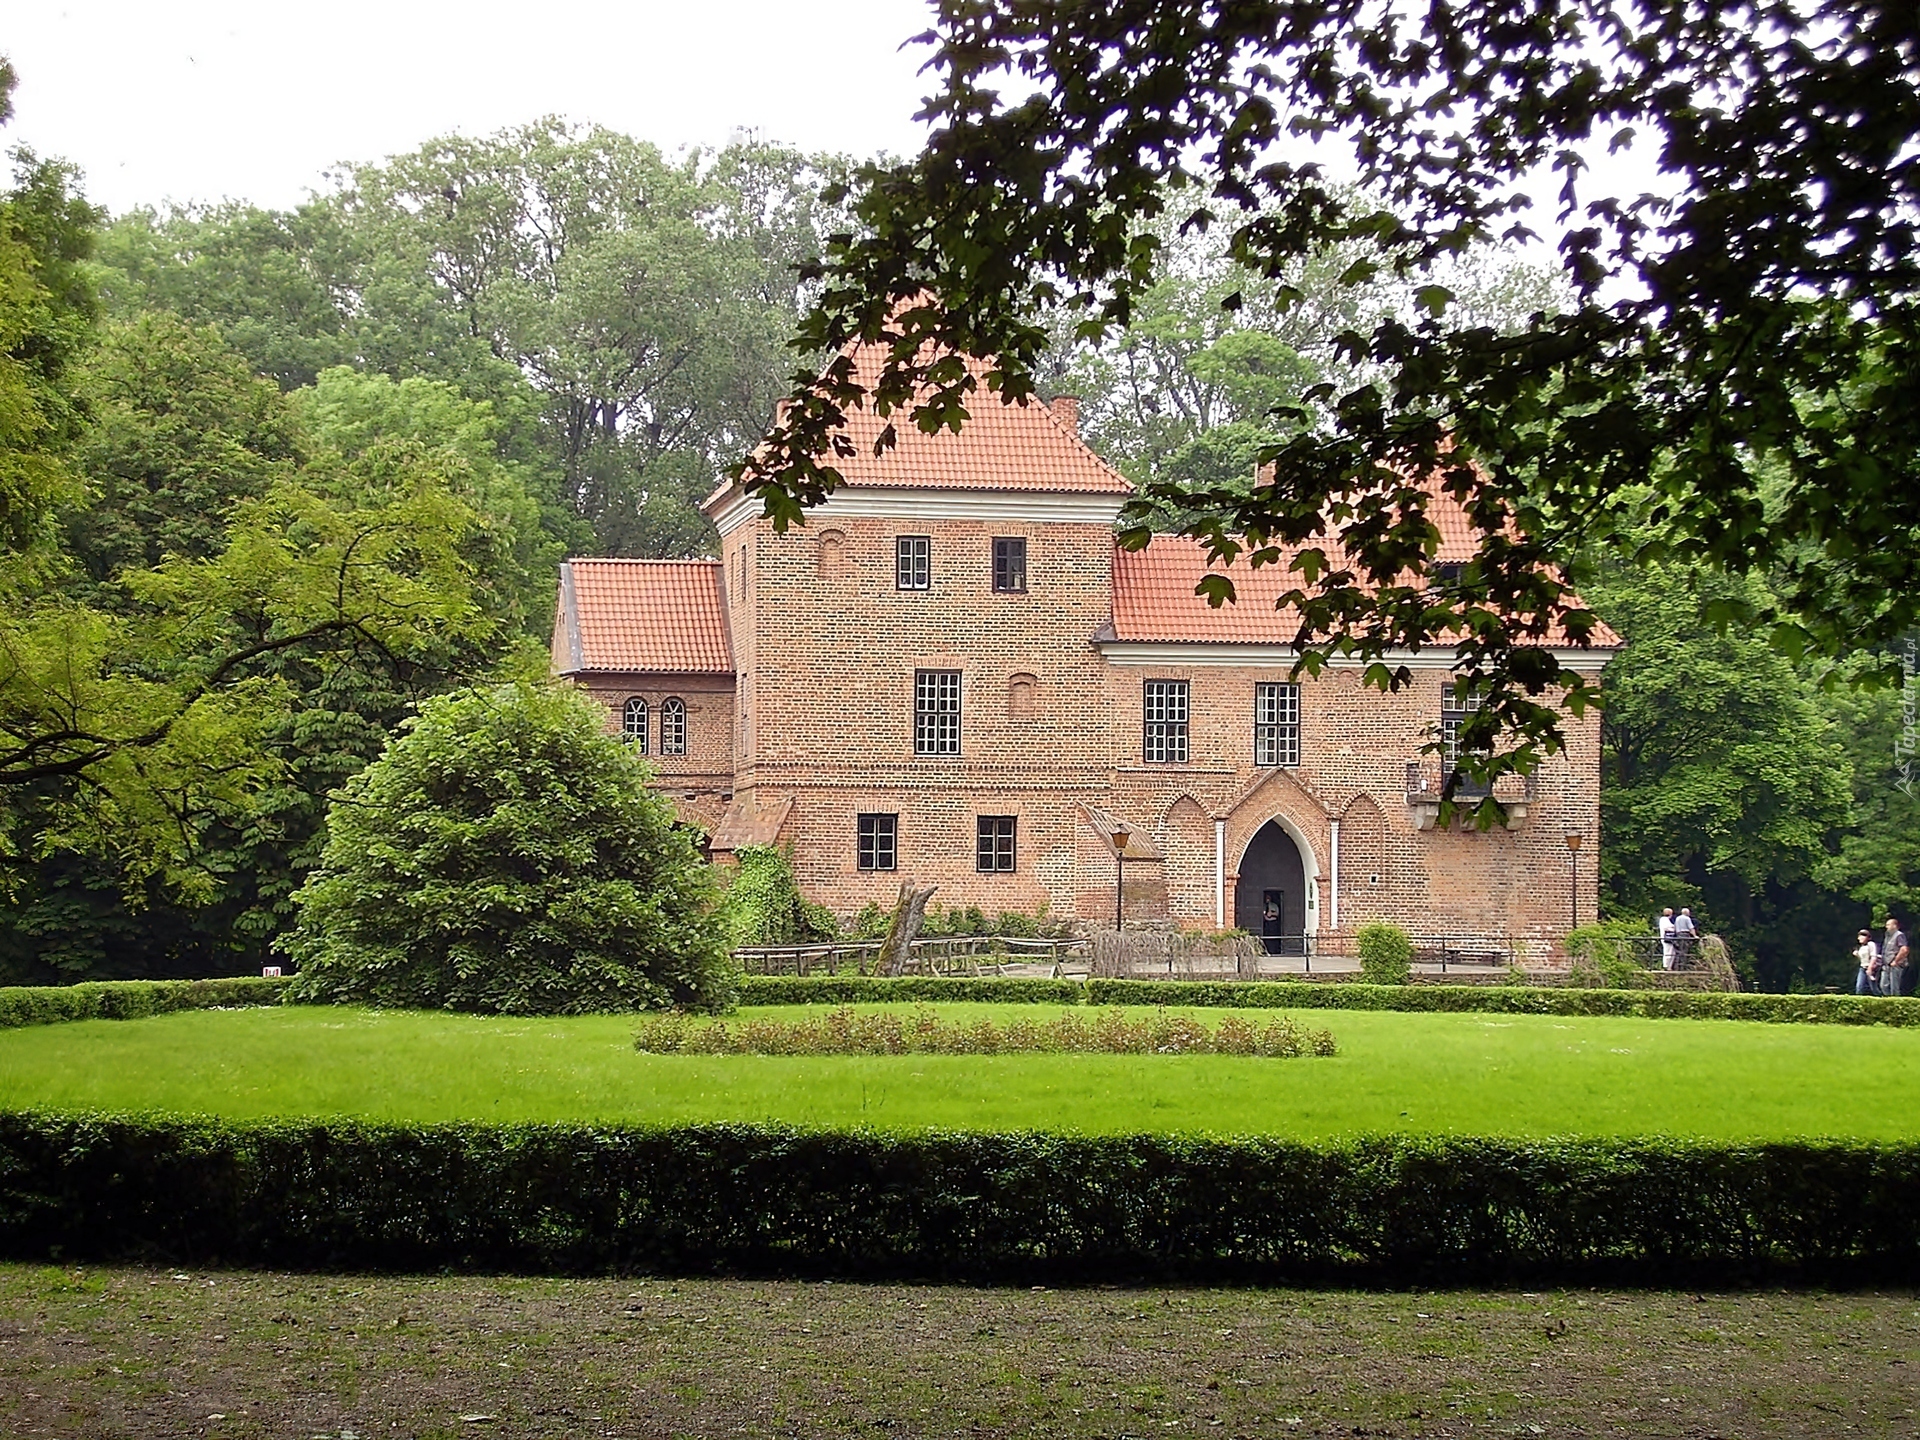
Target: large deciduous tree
point(1747, 339)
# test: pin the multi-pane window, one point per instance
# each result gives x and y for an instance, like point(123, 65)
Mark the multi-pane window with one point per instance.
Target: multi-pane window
point(879, 846)
point(1010, 565)
point(936, 712)
point(1457, 703)
point(1276, 724)
point(912, 562)
point(673, 727)
point(1165, 714)
point(633, 722)
point(994, 842)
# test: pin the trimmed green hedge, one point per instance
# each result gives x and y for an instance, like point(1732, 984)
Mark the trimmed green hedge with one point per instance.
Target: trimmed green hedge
point(130, 999)
point(135, 999)
point(745, 1199)
point(1510, 1000)
point(868, 989)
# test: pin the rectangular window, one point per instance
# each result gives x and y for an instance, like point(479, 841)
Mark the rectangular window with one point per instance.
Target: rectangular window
point(1165, 713)
point(936, 712)
point(879, 842)
point(1276, 725)
point(1010, 566)
point(1456, 704)
point(993, 850)
point(912, 562)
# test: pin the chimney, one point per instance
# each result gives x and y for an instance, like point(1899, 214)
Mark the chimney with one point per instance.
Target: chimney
point(1066, 409)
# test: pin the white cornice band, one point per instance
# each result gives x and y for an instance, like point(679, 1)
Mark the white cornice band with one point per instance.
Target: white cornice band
point(886, 502)
point(1226, 653)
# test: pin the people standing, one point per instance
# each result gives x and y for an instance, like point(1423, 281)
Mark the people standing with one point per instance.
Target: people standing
point(1665, 926)
point(1893, 959)
point(1684, 932)
point(1867, 982)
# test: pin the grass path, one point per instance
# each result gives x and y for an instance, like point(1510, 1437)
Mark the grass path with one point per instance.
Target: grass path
point(112, 1354)
point(1508, 1075)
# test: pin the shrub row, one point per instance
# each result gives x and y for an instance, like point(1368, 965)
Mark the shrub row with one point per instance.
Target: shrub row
point(1510, 1000)
point(865, 989)
point(130, 999)
point(1299, 995)
point(888, 1032)
point(743, 1199)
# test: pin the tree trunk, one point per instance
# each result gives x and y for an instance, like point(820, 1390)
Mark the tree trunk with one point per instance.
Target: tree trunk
point(909, 914)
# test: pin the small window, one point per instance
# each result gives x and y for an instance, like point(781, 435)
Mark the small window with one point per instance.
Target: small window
point(936, 712)
point(1010, 566)
point(912, 562)
point(673, 727)
point(1276, 725)
point(1165, 712)
point(879, 844)
point(993, 851)
point(740, 575)
point(633, 723)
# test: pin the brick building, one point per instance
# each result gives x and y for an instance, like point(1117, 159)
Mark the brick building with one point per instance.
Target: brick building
point(951, 674)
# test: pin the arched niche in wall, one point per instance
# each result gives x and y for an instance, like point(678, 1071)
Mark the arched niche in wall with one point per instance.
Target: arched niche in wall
point(1363, 856)
point(832, 554)
point(1022, 696)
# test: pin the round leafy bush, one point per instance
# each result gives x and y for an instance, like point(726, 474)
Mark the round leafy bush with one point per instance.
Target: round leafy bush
point(505, 855)
point(1386, 953)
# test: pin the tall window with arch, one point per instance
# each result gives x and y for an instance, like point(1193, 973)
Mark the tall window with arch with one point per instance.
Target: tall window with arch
point(673, 727)
point(633, 722)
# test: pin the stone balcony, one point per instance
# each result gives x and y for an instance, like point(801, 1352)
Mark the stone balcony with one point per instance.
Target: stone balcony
point(1426, 779)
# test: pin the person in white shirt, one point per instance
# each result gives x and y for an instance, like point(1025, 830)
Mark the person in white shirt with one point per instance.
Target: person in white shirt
point(1867, 982)
point(1665, 926)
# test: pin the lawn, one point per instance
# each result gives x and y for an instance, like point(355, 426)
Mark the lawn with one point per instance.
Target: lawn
point(1447, 1074)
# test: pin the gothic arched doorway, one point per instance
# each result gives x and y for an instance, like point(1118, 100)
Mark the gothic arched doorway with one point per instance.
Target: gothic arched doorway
point(1270, 899)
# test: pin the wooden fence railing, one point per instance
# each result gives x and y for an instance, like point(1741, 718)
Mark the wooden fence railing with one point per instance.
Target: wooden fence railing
point(934, 955)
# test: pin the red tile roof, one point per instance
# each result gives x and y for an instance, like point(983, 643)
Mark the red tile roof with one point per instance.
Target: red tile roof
point(1154, 600)
point(1000, 447)
point(659, 615)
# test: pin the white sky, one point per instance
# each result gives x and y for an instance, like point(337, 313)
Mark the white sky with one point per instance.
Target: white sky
point(199, 100)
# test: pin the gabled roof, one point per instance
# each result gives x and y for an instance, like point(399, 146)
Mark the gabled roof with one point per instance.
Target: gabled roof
point(1154, 599)
point(1001, 446)
point(626, 615)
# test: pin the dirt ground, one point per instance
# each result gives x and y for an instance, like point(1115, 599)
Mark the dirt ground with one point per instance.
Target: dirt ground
point(102, 1353)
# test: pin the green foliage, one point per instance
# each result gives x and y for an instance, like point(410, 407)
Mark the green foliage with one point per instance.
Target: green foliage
point(763, 903)
point(130, 999)
point(625, 313)
point(1726, 783)
point(1509, 1000)
point(747, 1199)
point(1386, 953)
point(506, 855)
point(922, 1032)
point(870, 924)
point(1598, 956)
point(182, 430)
